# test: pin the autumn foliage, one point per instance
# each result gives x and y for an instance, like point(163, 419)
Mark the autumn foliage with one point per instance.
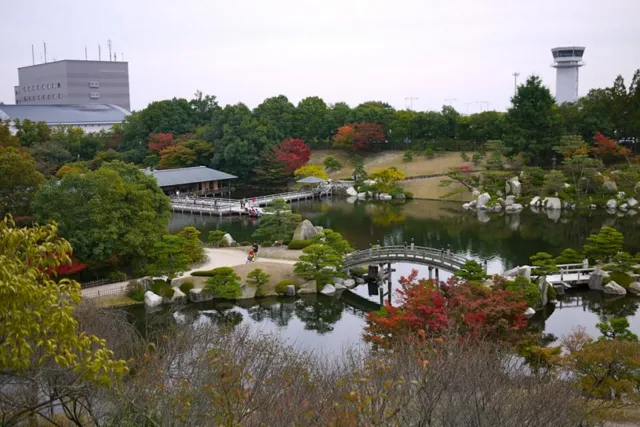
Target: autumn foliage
point(292, 153)
point(359, 137)
point(608, 150)
point(428, 311)
point(159, 141)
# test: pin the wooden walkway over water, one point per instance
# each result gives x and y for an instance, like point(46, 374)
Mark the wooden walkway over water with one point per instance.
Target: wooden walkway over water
point(222, 206)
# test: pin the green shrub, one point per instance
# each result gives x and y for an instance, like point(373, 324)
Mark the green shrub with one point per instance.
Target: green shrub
point(622, 279)
point(299, 244)
point(408, 156)
point(552, 295)
point(358, 271)
point(162, 288)
point(116, 276)
point(135, 291)
point(530, 291)
point(223, 282)
point(396, 191)
point(429, 153)
point(215, 237)
point(408, 195)
point(331, 163)
point(185, 287)
point(281, 287)
point(244, 243)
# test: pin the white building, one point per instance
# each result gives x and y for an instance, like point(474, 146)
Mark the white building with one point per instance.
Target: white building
point(567, 61)
point(89, 117)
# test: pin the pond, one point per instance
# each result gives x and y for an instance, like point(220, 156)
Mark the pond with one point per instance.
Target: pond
point(328, 324)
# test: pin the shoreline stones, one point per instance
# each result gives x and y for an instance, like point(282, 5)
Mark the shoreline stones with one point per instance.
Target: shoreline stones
point(151, 299)
point(613, 288)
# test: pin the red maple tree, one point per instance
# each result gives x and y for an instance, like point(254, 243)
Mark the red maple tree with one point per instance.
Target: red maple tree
point(608, 150)
point(359, 137)
point(429, 311)
point(159, 141)
point(292, 153)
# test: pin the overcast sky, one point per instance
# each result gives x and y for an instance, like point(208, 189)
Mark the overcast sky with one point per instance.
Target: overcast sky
point(340, 50)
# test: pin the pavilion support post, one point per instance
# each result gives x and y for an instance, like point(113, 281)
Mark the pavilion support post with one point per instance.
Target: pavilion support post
point(389, 284)
point(437, 275)
point(430, 273)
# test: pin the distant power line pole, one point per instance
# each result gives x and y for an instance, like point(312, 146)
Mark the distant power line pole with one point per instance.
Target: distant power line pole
point(481, 103)
point(515, 82)
point(467, 104)
point(410, 99)
point(450, 100)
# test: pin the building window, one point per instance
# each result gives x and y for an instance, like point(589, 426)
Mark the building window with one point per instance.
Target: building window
point(48, 86)
point(94, 84)
point(58, 96)
point(94, 95)
point(58, 84)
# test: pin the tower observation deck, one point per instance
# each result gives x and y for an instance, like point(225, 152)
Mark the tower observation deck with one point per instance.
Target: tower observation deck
point(567, 61)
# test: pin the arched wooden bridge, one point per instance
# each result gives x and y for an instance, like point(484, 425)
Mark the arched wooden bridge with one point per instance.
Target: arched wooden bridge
point(438, 258)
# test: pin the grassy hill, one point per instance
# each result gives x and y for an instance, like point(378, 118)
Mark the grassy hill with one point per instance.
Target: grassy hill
point(419, 166)
point(428, 188)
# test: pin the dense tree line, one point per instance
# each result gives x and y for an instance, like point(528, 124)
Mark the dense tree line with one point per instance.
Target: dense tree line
point(252, 143)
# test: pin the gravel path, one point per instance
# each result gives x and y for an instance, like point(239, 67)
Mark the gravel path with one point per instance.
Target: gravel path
point(215, 258)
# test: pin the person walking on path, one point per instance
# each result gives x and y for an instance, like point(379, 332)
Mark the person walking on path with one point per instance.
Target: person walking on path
point(255, 250)
point(251, 257)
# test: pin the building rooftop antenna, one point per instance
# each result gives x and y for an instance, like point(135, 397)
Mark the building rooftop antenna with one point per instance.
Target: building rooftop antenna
point(109, 43)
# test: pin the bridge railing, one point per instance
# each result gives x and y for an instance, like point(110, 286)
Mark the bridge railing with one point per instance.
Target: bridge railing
point(403, 252)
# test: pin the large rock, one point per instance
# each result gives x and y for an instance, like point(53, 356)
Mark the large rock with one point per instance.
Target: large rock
point(466, 206)
point(400, 196)
point(384, 196)
point(515, 208)
point(319, 228)
point(623, 207)
point(535, 202)
point(290, 290)
point(339, 286)
point(596, 278)
point(482, 201)
point(632, 202)
point(475, 192)
point(622, 195)
point(308, 288)
point(362, 196)
point(529, 312)
point(178, 295)
point(634, 288)
point(502, 201)
point(227, 238)
point(513, 186)
point(552, 203)
point(151, 299)
point(609, 186)
point(305, 230)
point(611, 204)
point(369, 182)
point(146, 283)
point(614, 289)
point(509, 200)
point(328, 290)
point(199, 295)
point(351, 191)
point(350, 283)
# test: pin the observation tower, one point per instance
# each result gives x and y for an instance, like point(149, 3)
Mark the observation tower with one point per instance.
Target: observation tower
point(567, 61)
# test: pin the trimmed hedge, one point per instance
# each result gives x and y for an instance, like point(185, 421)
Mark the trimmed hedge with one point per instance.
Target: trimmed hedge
point(281, 287)
point(299, 244)
point(185, 287)
point(622, 279)
point(203, 273)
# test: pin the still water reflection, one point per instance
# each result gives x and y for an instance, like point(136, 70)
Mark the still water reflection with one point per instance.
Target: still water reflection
point(328, 324)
